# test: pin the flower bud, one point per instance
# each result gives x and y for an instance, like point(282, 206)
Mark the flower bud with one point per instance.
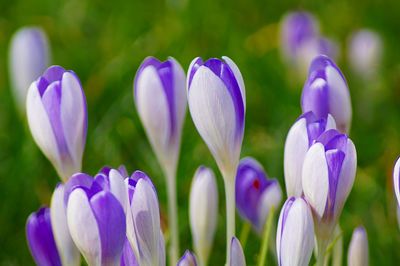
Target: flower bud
point(188, 259)
point(216, 98)
point(57, 117)
point(326, 92)
point(29, 57)
point(396, 180)
point(255, 192)
point(203, 212)
point(237, 256)
point(295, 234)
point(40, 239)
point(358, 248)
point(301, 136)
point(160, 97)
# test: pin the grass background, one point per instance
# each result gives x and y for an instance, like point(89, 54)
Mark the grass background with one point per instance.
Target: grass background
point(104, 43)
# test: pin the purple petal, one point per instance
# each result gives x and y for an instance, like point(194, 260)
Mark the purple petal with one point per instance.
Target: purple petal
point(110, 219)
point(41, 240)
point(78, 180)
point(334, 160)
point(53, 73)
point(128, 256)
point(194, 67)
point(333, 139)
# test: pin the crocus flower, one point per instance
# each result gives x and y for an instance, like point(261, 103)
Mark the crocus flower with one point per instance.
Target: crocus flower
point(301, 136)
point(57, 117)
point(237, 256)
point(328, 175)
point(358, 248)
point(28, 58)
point(255, 192)
point(216, 97)
point(40, 239)
point(295, 234)
point(396, 180)
point(326, 92)
point(188, 259)
point(296, 29)
point(143, 221)
point(69, 253)
point(203, 212)
point(365, 52)
point(96, 221)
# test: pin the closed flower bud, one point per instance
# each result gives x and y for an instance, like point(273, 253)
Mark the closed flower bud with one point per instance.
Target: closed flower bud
point(160, 97)
point(28, 58)
point(188, 259)
point(68, 251)
point(143, 221)
point(203, 212)
point(365, 53)
point(216, 98)
point(40, 239)
point(96, 221)
point(237, 256)
point(301, 136)
point(57, 117)
point(326, 92)
point(396, 180)
point(295, 234)
point(255, 192)
point(358, 248)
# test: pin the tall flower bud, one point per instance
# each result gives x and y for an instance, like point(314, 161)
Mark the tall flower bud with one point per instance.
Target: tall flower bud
point(358, 248)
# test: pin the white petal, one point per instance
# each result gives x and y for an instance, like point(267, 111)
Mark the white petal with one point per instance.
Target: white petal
point(152, 106)
point(73, 118)
point(83, 227)
point(339, 99)
point(315, 178)
point(180, 93)
point(297, 240)
point(40, 126)
point(117, 188)
point(66, 248)
point(396, 180)
point(203, 211)
point(213, 114)
point(146, 217)
point(271, 197)
point(237, 255)
point(162, 258)
point(346, 177)
point(296, 147)
point(358, 248)
point(238, 76)
point(330, 123)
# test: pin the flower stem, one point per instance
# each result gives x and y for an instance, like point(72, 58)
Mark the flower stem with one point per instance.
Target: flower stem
point(229, 180)
point(172, 216)
point(266, 236)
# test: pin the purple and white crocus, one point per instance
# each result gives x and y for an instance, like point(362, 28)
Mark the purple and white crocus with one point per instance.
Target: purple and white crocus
point(328, 175)
point(295, 234)
point(57, 118)
point(143, 221)
point(203, 212)
point(29, 56)
point(41, 240)
point(96, 219)
point(216, 98)
point(160, 98)
point(326, 92)
point(301, 136)
point(255, 193)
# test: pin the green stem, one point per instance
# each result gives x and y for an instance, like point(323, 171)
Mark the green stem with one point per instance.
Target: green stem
point(244, 234)
point(266, 236)
point(172, 216)
point(229, 180)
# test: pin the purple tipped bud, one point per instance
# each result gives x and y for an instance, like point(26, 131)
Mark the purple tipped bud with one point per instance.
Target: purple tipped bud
point(57, 117)
point(216, 97)
point(237, 256)
point(326, 92)
point(295, 233)
point(40, 238)
point(358, 248)
point(255, 192)
point(188, 259)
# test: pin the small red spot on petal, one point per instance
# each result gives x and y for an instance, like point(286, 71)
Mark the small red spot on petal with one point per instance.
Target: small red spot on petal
point(256, 184)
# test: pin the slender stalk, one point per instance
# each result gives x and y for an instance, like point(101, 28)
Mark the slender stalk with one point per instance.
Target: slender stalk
point(229, 180)
point(321, 258)
point(172, 215)
point(244, 233)
point(266, 236)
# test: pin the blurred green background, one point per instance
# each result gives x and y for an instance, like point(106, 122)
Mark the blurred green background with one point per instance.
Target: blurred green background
point(104, 43)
